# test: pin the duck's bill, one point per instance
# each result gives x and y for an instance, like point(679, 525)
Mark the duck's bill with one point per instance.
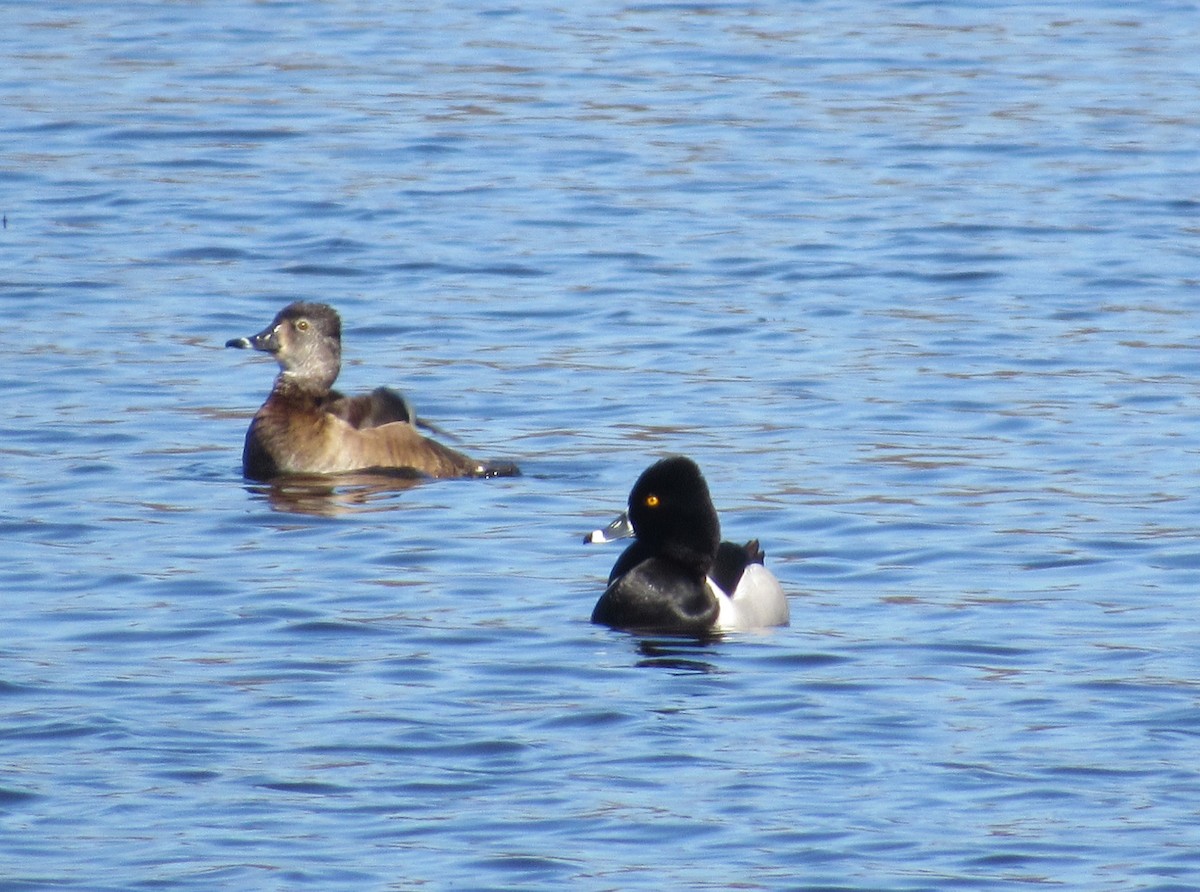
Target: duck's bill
point(620, 528)
point(266, 340)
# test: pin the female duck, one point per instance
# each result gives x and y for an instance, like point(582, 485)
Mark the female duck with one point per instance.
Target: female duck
point(678, 577)
point(307, 427)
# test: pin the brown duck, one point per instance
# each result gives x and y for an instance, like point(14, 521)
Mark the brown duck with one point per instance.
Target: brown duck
point(307, 427)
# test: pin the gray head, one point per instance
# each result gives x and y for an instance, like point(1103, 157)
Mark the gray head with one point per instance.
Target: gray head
point(306, 341)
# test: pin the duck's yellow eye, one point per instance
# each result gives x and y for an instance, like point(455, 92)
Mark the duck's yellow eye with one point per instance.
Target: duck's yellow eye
point(652, 501)
point(301, 325)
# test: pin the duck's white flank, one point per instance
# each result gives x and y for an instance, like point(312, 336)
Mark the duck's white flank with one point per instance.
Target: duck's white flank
point(757, 602)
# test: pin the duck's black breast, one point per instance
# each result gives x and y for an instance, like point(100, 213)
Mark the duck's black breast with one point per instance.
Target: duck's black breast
point(657, 595)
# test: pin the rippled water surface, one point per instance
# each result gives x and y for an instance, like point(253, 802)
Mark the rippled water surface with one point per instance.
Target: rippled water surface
point(915, 284)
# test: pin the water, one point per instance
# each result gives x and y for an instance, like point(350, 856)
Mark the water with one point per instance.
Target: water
point(916, 286)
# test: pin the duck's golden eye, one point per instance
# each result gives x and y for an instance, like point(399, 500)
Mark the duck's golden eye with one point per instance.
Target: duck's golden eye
point(652, 501)
point(301, 325)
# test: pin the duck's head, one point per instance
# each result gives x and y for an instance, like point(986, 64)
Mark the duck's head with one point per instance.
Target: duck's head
point(671, 513)
point(306, 340)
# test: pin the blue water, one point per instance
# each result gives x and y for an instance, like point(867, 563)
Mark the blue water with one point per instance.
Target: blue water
point(914, 283)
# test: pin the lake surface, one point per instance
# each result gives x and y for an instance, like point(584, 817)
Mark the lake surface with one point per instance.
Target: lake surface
point(917, 286)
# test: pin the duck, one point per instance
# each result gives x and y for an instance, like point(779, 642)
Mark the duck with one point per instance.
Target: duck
point(678, 577)
point(307, 427)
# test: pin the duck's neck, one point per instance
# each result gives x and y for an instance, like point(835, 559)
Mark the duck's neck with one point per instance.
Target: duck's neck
point(697, 561)
point(306, 388)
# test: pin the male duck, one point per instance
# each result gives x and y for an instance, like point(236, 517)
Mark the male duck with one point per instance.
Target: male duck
point(307, 427)
point(678, 577)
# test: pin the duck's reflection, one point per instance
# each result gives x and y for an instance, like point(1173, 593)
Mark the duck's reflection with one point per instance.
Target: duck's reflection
point(336, 495)
point(678, 654)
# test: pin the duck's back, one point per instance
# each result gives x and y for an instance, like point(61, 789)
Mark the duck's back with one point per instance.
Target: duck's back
point(291, 436)
point(379, 407)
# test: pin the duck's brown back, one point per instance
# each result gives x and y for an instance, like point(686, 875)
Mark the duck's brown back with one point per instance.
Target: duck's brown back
point(290, 436)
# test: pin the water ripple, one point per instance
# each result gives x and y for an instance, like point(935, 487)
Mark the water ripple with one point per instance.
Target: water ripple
point(914, 285)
